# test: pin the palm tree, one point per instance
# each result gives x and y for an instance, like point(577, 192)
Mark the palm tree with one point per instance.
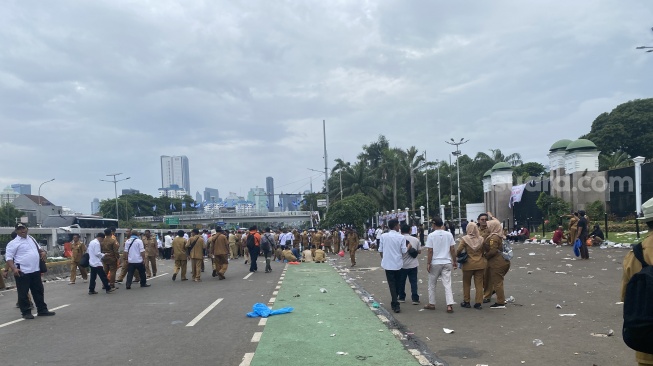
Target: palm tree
point(618, 159)
point(497, 157)
point(414, 163)
point(394, 165)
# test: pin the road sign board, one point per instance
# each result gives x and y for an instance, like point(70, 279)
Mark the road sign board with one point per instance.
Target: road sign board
point(321, 203)
point(172, 220)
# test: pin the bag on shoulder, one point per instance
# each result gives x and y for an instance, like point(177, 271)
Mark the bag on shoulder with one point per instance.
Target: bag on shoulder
point(266, 242)
point(462, 257)
point(507, 250)
point(638, 307)
point(84, 262)
point(251, 241)
point(43, 268)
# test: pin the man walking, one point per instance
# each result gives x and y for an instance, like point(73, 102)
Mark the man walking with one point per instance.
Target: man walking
point(351, 240)
point(233, 248)
point(135, 260)
point(151, 251)
point(392, 248)
point(167, 245)
point(110, 249)
point(196, 251)
point(409, 268)
point(267, 243)
point(78, 249)
point(253, 246)
point(181, 257)
point(219, 250)
point(582, 231)
point(22, 256)
point(441, 262)
point(95, 256)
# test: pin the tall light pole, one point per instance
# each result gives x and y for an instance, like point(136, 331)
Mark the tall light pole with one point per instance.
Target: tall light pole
point(427, 188)
point(648, 48)
point(115, 189)
point(39, 213)
point(326, 167)
point(458, 153)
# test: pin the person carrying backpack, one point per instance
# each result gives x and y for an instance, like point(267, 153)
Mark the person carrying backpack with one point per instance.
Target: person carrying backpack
point(253, 246)
point(636, 283)
point(267, 243)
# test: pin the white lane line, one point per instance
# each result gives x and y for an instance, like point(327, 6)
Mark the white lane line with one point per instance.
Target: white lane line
point(277, 288)
point(263, 322)
point(203, 313)
point(21, 319)
point(280, 282)
point(272, 300)
point(161, 275)
point(248, 276)
point(257, 337)
point(247, 359)
point(275, 293)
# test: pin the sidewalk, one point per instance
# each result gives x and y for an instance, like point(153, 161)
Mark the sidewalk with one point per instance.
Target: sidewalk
point(324, 324)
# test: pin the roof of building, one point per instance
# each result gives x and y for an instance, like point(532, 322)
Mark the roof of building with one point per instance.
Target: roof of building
point(43, 201)
point(488, 173)
point(560, 145)
point(501, 166)
point(581, 144)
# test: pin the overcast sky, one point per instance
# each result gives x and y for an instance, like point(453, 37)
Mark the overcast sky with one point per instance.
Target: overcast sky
point(89, 88)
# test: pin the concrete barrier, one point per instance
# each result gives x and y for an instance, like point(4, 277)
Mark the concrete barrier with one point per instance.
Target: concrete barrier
point(56, 270)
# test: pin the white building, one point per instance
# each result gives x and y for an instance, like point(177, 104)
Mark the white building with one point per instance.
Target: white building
point(8, 195)
point(175, 171)
point(172, 192)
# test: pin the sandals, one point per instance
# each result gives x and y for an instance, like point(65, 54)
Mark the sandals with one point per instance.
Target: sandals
point(449, 309)
point(429, 307)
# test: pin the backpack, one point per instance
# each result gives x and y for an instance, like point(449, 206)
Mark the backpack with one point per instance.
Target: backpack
point(251, 241)
point(266, 242)
point(638, 307)
point(507, 250)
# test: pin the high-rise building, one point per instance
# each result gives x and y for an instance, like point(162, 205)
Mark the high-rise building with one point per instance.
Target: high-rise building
point(130, 191)
point(211, 195)
point(22, 188)
point(175, 171)
point(269, 187)
point(198, 197)
point(259, 198)
point(95, 206)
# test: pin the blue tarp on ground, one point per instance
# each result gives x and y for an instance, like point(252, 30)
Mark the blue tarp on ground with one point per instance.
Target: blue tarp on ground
point(263, 311)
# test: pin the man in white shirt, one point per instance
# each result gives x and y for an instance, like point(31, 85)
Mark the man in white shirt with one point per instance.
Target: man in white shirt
point(284, 237)
point(22, 256)
point(377, 235)
point(441, 262)
point(167, 245)
point(392, 247)
point(97, 267)
point(413, 230)
point(135, 259)
point(409, 269)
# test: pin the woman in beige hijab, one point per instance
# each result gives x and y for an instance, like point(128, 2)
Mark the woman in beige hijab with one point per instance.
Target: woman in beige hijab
point(497, 265)
point(472, 243)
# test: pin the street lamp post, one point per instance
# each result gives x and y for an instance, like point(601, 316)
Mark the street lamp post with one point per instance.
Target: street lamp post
point(115, 189)
point(427, 187)
point(457, 153)
point(38, 218)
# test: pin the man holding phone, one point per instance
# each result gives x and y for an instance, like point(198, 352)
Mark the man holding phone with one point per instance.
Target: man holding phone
point(23, 255)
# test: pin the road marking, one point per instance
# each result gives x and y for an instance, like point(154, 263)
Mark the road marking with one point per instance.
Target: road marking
point(247, 359)
point(275, 293)
point(257, 337)
point(263, 322)
point(203, 313)
point(272, 300)
point(21, 319)
point(161, 275)
point(280, 282)
point(277, 288)
point(248, 276)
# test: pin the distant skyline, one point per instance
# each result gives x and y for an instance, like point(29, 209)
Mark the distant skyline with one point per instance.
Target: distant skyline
point(241, 88)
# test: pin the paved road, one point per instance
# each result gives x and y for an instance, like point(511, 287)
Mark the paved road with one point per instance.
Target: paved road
point(589, 289)
point(141, 326)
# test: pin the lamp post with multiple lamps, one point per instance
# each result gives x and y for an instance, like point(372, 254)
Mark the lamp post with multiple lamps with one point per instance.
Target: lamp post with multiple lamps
point(39, 213)
point(647, 48)
point(115, 188)
point(457, 153)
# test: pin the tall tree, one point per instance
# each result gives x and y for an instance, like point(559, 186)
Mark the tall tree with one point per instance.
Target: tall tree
point(617, 159)
point(415, 162)
point(394, 164)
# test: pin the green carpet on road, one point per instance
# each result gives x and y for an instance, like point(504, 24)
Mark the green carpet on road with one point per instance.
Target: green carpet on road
point(304, 337)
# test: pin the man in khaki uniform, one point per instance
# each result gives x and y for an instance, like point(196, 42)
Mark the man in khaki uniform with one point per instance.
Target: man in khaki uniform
point(179, 252)
point(484, 232)
point(111, 250)
point(219, 249)
point(573, 228)
point(78, 249)
point(352, 243)
point(123, 259)
point(233, 249)
point(320, 256)
point(304, 240)
point(196, 246)
point(631, 266)
point(151, 252)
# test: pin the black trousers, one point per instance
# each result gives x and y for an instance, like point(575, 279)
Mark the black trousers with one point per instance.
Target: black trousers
point(167, 253)
point(26, 283)
point(584, 253)
point(393, 278)
point(411, 275)
point(95, 272)
point(131, 267)
point(253, 256)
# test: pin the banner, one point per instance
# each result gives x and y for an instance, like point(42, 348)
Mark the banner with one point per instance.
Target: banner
point(516, 194)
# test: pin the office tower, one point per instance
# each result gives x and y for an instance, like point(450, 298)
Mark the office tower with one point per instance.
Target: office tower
point(175, 171)
point(211, 195)
point(22, 188)
point(269, 187)
point(95, 206)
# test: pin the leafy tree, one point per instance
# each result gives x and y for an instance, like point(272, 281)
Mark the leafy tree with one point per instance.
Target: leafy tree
point(628, 127)
point(552, 208)
point(528, 170)
point(9, 214)
point(595, 211)
point(415, 162)
point(394, 163)
point(496, 156)
point(353, 210)
point(617, 159)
